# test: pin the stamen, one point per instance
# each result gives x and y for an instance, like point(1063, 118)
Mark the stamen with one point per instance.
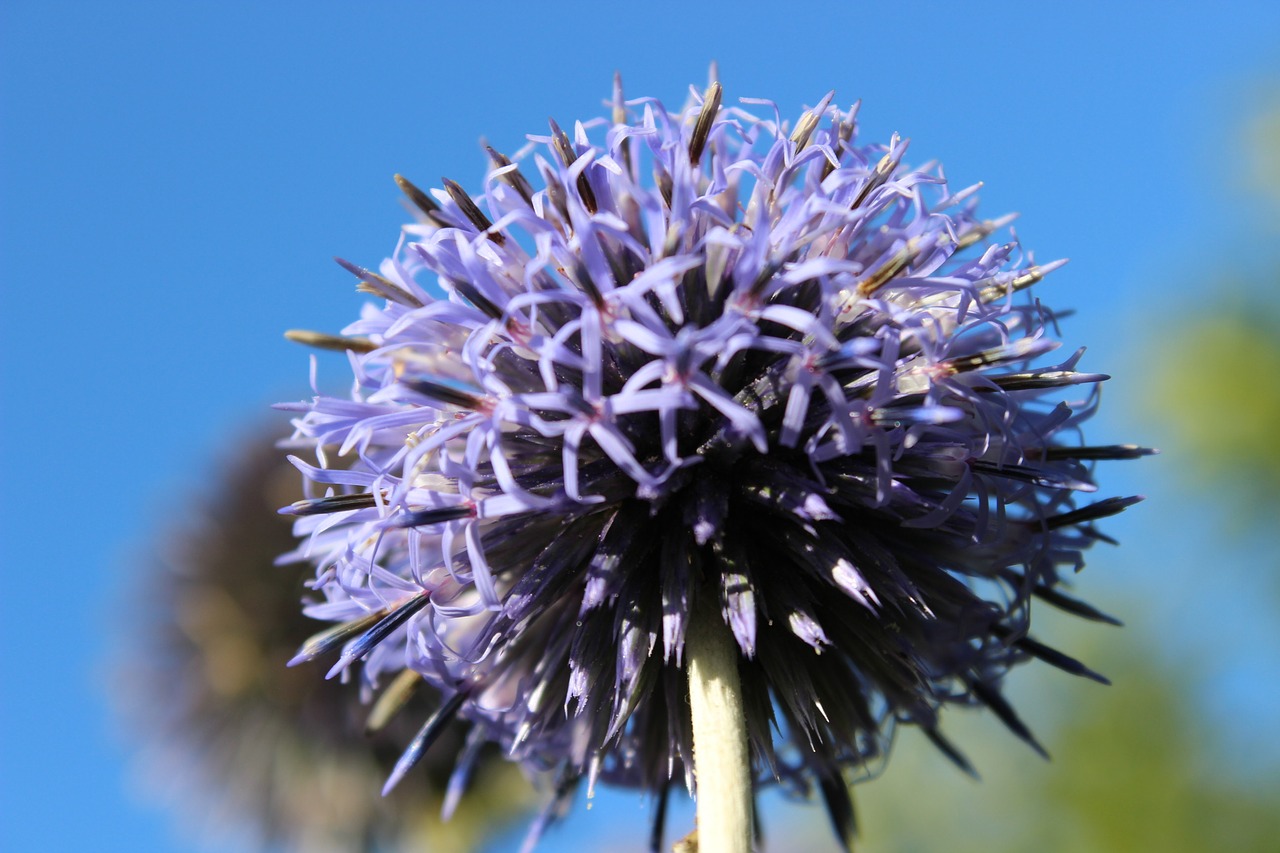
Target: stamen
point(472, 211)
point(441, 393)
point(435, 515)
point(391, 700)
point(512, 177)
point(372, 283)
point(568, 156)
point(320, 340)
point(330, 638)
point(1113, 451)
point(426, 736)
point(888, 270)
point(1092, 512)
point(706, 119)
point(422, 201)
point(333, 503)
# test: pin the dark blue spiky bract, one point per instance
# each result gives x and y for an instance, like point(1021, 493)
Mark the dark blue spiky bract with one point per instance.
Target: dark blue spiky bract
point(713, 356)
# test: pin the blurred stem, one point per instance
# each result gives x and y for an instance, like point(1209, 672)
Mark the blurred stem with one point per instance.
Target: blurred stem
point(721, 764)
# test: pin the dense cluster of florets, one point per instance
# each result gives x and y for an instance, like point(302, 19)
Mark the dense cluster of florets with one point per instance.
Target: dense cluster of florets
point(712, 359)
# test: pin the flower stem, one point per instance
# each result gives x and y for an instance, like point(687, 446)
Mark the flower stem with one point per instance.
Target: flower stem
point(721, 764)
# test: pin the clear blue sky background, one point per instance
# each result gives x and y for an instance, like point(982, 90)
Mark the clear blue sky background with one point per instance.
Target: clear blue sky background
point(175, 177)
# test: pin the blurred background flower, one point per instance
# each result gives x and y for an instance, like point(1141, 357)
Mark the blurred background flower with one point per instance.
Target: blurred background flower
point(246, 747)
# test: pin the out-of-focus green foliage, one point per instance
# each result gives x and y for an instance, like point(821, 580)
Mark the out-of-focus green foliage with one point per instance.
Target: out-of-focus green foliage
point(1142, 777)
point(1134, 770)
point(1262, 153)
point(1216, 396)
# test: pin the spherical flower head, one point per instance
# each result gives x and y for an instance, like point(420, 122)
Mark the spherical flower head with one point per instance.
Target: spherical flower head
point(715, 364)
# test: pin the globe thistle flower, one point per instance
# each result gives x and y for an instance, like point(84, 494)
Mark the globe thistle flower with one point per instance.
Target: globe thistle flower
point(704, 375)
point(248, 747)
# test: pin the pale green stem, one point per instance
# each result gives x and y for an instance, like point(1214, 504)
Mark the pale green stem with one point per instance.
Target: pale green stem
point(721, 763)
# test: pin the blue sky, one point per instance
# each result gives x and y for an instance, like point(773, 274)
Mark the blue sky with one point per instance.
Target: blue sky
point(175, 178)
